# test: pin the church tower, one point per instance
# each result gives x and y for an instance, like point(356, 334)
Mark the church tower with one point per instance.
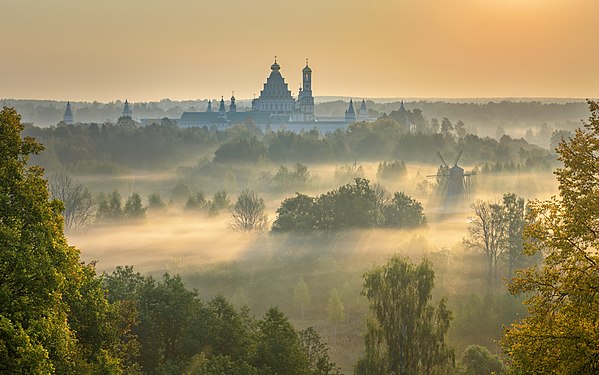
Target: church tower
point(363, 113)
point(222, 122)
point(127, 111)
point(209, 109)
point(233, 106)
point(307, 79)
point(350, 114)
point(306, 100)
point(222, 112)
point(68, 115)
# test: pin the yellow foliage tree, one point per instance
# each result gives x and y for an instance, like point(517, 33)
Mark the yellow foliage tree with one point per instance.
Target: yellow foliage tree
point(561, 335)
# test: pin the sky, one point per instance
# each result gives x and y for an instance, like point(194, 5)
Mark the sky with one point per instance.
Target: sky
point(143, 50)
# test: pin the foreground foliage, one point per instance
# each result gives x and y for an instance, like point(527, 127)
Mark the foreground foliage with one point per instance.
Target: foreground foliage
point(406, 334)
point(53, 314)
point(179, 333)
point(561, 335)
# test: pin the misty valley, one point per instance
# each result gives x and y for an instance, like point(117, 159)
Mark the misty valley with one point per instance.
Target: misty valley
point(399, 243)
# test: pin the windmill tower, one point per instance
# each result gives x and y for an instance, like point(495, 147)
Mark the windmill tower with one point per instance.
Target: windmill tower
point(454, 181)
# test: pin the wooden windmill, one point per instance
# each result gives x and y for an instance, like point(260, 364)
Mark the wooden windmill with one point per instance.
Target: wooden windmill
point(455, 184)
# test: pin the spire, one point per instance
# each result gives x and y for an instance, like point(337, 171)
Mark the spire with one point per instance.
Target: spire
point(222, 112)
point(68, 114)
point(401, 107)
point(233, 106)
point(126, 110)
point(363, 113)
point(350, 114)
point(209, 109)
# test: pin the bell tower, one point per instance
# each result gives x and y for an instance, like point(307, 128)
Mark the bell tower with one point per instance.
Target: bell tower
point(307, 79)
point(306, 100)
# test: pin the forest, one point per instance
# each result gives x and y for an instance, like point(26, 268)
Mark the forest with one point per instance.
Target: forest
point(161, 250)
point(533, 119)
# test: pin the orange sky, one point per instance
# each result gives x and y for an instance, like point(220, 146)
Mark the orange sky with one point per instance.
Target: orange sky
point(183, 49)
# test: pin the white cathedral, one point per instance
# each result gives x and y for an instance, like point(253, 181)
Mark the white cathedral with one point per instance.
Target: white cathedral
point(276, 108)
point(276, 97)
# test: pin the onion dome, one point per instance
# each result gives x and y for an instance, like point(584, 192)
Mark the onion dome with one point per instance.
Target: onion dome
point(275, 66)
point(307, 68)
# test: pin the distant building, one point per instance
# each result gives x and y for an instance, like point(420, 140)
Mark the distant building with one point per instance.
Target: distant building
point(68, 115)
point(221, 120)
point(127, 112)
point(304, 109)
point(350, 114)
point(275, 108)
point(363, 113)
point(233, 106)
point(276, 96)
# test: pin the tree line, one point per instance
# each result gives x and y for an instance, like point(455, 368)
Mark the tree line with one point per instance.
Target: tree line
point(116, 148)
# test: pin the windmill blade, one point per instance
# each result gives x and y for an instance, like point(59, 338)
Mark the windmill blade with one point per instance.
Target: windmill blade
point(458, 158)
point(443, 160)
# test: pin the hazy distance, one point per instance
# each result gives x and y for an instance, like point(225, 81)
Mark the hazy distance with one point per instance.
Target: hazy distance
point(181, 49)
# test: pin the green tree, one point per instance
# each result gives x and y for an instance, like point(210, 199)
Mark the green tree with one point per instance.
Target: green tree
point(196, 202)
point(561, 334)
point(460, 129)
point(335, 308)
point(54, 317)
point(446, 127)
point(350, 206)
point(279, 350)
point(204, 364)
point(404, 211)
point(317, 353)
point(356, 205)
point(514, 209)
point(155, 202)
point(164, 311)
point(297, 214)
point(406, 334)
point(477, 360)
point(133, 207)
point(391, 170)
point(109, 210)
point(219, 202)
point(230, 332)
point(241, 150)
